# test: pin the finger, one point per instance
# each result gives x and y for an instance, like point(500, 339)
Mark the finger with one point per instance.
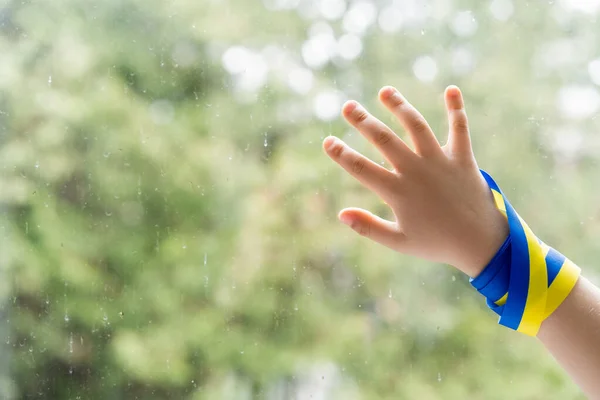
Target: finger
point(459, 140)
point(375, 228)
point(370, 174)
point(387, 142)
point(412, 121)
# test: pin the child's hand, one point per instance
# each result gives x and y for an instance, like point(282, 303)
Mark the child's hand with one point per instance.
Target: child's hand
point(443, 207)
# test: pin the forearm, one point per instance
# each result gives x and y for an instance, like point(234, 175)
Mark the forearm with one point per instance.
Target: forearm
point(572, 335)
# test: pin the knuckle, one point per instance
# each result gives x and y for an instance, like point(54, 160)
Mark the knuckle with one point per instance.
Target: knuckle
point(383, 137)
point(360, 116)
point(460, 124)
point(357, 166)
point(419, 125)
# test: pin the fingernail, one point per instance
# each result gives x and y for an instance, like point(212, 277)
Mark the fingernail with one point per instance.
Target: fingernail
point(346, 219)
point(388, 92)
point(330, 142)
point(358, 110)
point(395, 96)
point(350, 106)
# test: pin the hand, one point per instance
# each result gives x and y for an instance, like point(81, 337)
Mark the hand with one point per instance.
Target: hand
point(444, 211)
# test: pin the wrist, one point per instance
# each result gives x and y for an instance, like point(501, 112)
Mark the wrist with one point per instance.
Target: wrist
point(489, 232)
point(493, 282)
point(484, 247)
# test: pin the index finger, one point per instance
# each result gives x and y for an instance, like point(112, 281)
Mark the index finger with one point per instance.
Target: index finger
point(371, 175)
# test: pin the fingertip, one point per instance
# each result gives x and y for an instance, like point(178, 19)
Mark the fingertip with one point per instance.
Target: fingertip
point(329, 142)
point(350, 216)
point(345, 218)
point(391, 97)
point(348, 210)
point(386, 92)
point(454, 98)
point(348, 107)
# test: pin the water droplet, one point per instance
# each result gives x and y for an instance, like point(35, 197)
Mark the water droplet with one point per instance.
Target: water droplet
point(390, 293)
point(108, 213)
point(105, 318)
point(205, 259)
point(49, 80)
point(242, 352)
point(67, 319)
point(37, 164)
point(453, 278)
point(71, 343)
point(184, 246)
point(439, 377)
point(266, 143)
point(106, 154)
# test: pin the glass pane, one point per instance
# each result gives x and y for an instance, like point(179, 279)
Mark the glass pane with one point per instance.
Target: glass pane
point(169, 222)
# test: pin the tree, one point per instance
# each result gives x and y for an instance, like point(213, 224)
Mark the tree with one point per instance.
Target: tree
point(168, 225)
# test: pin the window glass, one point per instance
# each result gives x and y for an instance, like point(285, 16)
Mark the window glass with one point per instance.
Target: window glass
point(168, 218)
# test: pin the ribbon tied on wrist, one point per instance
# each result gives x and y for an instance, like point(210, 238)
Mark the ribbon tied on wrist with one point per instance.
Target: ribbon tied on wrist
point(526, 280)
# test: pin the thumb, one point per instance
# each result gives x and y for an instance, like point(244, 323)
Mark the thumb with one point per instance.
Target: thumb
point(373, 227)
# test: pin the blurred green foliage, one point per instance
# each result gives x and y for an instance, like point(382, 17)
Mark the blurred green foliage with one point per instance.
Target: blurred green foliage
point(167, 233)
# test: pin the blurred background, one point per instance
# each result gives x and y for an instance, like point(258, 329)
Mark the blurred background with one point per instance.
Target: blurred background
point(168, 219)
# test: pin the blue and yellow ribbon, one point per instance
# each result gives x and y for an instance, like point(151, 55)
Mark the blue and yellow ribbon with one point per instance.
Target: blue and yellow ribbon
point(526, 280)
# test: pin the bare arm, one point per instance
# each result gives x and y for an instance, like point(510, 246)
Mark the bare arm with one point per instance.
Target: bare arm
point(572, 335)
